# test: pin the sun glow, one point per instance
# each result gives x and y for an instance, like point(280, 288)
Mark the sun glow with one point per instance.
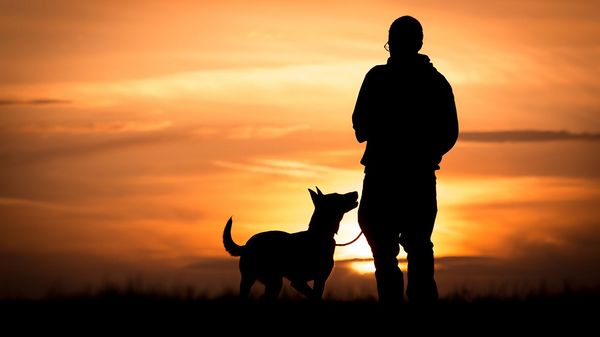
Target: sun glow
point(363, 267)
point(367, 267)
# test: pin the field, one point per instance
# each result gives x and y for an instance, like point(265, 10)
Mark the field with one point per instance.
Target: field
point(115, 310)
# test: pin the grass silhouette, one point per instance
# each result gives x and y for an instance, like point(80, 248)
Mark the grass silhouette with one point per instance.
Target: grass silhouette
point(185, 310)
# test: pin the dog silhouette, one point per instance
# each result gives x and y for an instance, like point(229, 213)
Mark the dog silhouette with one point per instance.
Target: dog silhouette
point(301, 257)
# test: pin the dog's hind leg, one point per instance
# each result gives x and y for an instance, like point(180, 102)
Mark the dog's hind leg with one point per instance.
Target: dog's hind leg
point(272, 288)
point(302, 288)
point(318, 288)
point(246, 285)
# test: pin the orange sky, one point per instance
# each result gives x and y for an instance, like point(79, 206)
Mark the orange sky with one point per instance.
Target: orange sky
point(130, 131)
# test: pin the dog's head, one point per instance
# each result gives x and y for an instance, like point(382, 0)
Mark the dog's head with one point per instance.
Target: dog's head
point(330, 208)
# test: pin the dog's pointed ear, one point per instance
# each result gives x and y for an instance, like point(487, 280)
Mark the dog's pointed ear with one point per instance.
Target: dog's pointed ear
point(314, 196)
point(318, 190)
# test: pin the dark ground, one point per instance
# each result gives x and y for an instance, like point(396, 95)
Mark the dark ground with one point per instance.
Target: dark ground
point(116, 312)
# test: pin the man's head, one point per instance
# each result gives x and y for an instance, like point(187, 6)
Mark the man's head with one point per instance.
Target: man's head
point(405, 36)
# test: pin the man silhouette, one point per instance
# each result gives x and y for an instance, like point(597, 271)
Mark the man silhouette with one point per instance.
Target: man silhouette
point(405, 112)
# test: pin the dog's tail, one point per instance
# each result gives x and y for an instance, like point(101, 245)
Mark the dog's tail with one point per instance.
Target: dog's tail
point(231, 247)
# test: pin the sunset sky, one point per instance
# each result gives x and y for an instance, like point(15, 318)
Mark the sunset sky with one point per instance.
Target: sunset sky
point(130, 131)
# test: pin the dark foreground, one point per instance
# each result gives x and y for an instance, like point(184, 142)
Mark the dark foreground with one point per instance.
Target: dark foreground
point(120, 312)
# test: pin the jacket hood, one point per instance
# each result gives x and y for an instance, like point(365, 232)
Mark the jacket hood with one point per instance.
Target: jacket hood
point(416, 61)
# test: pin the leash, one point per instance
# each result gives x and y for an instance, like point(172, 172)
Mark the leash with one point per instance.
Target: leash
point(351, 242)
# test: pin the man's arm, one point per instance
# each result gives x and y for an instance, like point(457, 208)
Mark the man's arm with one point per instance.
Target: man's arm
point(448, 124)
point(364, 103)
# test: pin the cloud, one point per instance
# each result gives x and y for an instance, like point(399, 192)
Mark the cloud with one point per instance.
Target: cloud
point(249, 132)
point(526, 136)
point(264, 132)
point(279, 167)
point(97, 127)
point(128, 209)
point(21, 202)
point(37, 101)
point(85, 148)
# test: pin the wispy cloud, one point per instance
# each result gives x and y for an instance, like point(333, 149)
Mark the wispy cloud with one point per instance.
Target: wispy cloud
point(21, 202)
point(279, 167)
point(82, 147)
point(36, 101)
point(98, 127)
point(525, 136)
point(249, 132)
point(264, 132)
point(129, 209)
point(272, 86)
